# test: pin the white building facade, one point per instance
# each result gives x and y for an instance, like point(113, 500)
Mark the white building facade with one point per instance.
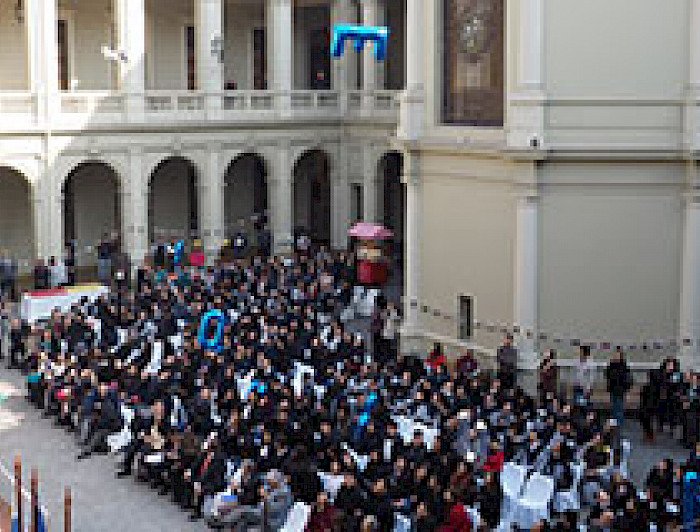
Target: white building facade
point(548, 149)
point(552, 175)
point(183, 118)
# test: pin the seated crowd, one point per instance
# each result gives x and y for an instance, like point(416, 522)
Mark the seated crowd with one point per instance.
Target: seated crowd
point(296, 408)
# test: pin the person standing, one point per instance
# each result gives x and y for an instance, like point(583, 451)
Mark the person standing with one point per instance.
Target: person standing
point(507, 358)
point(69, 261)
point(619, 379)
point(585, 377)
point(104, 260)
point(548, 376)
point(57, 272)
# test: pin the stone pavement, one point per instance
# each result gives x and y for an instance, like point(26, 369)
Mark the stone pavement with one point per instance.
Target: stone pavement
point(101, 503)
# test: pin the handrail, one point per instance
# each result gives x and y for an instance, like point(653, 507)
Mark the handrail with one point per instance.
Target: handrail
point(118, 106)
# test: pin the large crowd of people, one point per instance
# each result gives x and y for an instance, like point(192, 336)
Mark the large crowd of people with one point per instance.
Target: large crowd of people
point(295, 406)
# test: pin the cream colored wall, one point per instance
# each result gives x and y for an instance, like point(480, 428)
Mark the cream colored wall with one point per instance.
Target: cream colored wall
point(165, 45)
point(616, 71)
point(90, 28)
point(619, 48)
point(610, 248)
point(241, 19)
point(13, 49)
point(468, 239)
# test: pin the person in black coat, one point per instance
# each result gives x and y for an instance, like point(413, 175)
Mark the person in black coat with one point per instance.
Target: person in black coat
point(619, 380)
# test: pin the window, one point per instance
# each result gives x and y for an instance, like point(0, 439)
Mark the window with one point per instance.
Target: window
point(259, 59)
point(62, 34)
point(191, 53)
point(466, 309)
point(473, 83)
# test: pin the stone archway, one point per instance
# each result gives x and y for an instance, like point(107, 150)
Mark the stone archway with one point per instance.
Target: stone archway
point(17, 235)
point(91, 209)
point(246, 196)
point(173, 208)
point(312, 196)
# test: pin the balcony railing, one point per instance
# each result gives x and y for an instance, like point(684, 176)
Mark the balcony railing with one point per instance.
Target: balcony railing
point(80, 109)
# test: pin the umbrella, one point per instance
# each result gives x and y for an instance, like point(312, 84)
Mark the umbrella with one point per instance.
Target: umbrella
point(368, 231)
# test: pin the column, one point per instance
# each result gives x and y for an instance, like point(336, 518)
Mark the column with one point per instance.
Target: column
point(52, 201)
point(340, 200)
point(526, 103)
point(692, 111)
point(412, 121)
point(211, 202)
point(370, 198)
point(280, 183)
point(209, 15)
point(411, 331)
point(136, 210)
point(372, 70)
point(525, 297)
point(131, 42)
point(690, 280)
point(344, 75)
point(281, 57)
point(42, 36)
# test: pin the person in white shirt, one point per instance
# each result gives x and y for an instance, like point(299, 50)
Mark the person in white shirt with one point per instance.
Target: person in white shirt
point(585, 376)
point(58, 272)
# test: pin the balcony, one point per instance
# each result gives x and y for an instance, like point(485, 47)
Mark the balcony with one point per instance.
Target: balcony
point(77, 110)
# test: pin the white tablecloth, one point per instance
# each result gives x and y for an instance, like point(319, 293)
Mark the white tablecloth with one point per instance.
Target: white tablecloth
point(39, 305)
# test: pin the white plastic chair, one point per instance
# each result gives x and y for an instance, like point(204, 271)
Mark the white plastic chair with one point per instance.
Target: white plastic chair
point(512, 480)
point(533, 506)
point(624, 462)
point(568, 501)
point(401, 523)
point(297, 518)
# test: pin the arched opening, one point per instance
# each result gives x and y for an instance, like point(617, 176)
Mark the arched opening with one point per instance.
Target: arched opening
point(245, 197)
point(172, 201)
point(91, 210)
point(394, 208)
point(312, 197)
point(16, 220)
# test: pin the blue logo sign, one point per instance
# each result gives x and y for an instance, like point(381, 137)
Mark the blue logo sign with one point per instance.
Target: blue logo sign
point(360, 35)
point(212, 344)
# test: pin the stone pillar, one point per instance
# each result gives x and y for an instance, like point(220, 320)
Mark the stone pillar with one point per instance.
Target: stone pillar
point(412, 119)
point(344, 75)
point(135, 211)
point(370, 196)
point(280, 20)
point(411, 334)
point(53, 218)
point(209, 21)
point(526, 102)
point(131, 42)
point(211, 202)
point(525, 296)
point(692, 111)
point(340, 199)
point(690, 281)
point(280, 183)
point(42, 41)
point(373, 14)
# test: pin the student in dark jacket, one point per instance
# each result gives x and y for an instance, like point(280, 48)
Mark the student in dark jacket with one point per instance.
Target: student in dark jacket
point(619, 379)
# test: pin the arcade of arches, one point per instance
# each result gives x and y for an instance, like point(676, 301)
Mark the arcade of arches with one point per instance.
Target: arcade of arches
point(94, 202)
